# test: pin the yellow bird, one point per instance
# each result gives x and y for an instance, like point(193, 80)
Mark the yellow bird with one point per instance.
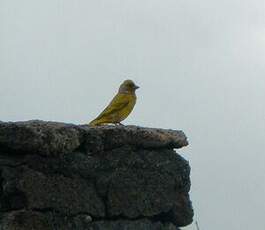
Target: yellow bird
point(120, 106)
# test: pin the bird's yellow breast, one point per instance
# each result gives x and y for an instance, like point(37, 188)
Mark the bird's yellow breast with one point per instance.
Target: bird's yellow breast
point(118, 109)
point(124, 112)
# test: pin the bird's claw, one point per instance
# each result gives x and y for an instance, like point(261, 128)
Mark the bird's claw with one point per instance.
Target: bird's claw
point(119, 124)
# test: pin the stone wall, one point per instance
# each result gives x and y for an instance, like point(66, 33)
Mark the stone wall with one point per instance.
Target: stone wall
point(61, 177)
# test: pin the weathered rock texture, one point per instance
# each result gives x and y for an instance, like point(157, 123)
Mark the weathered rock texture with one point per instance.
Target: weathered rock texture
point(56, 176)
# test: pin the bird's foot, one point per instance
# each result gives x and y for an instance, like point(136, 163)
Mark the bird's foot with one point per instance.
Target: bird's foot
point(119, 124)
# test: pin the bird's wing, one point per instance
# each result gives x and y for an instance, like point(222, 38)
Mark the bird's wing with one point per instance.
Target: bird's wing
point(119, 102)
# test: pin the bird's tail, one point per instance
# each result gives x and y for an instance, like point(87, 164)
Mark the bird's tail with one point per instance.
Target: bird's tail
point(94, 123)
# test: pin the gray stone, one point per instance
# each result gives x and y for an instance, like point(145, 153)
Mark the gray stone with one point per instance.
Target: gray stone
point(55, 138)
point(63, 176)
point(24, 220)
point(143, 224)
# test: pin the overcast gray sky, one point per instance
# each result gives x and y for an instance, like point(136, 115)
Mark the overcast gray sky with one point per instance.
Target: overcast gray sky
point(200, 65)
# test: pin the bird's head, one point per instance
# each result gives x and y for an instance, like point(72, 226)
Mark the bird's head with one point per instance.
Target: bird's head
point(128, 86)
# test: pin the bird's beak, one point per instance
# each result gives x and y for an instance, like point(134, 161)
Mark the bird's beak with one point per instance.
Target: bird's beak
point(136, 87)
